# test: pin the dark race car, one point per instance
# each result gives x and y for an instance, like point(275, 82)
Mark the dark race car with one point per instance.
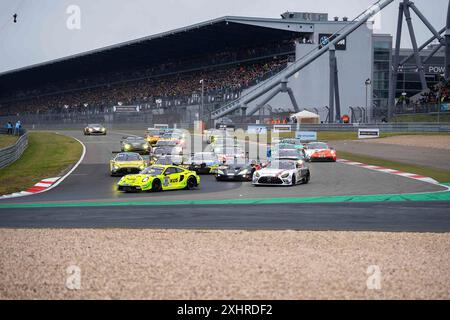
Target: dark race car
point(237, 171)
point(135, 144)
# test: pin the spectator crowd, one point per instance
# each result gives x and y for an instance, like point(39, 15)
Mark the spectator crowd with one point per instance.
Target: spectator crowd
point(224, 74)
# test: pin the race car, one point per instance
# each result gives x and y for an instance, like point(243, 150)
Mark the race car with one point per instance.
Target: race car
point(160, 178)
point(167, 147)
point(320, 151)
point(289, 154)
point(152, 136)
point(175, 160)
point(237, 171)
point(282, 173)
point(294, 141)
point(96, 129)
point(204, 163)
point(135, 144)
point(126, 163)
point(227, 154)
point(176, 136)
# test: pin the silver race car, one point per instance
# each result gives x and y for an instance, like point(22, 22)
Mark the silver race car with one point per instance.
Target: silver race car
point(282, 173)
point(96, 129)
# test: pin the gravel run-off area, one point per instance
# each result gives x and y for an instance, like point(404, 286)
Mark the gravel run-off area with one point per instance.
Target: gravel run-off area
point(189, 264)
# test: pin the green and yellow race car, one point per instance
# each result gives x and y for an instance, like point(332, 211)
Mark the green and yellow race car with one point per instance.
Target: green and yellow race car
point(126, 163)
point(160, 178)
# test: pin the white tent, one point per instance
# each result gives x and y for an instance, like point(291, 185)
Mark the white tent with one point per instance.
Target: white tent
point(306, 117)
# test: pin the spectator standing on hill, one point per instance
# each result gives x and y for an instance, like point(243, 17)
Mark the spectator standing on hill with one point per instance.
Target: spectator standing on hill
point(9, 128)
point(17, 128)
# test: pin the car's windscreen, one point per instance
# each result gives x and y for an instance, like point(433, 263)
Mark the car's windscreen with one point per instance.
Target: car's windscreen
point(318, 146)
point(286, 146)
point(169, 160)
point(94, 125)
point(135, 139)
point(292, 141)
point(283, 165)
point(163, 151)
point(153, 171)
point(172, 136)
point(128, 157)
point(166, 143)
point(288, 154)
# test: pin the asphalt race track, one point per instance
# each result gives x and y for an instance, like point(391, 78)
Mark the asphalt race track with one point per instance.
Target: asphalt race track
point(91, 182)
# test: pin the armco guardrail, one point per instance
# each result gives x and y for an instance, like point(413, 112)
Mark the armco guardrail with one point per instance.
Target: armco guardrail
point(10, 154)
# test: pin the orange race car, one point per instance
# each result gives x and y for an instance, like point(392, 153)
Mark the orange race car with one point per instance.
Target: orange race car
point(320, 151)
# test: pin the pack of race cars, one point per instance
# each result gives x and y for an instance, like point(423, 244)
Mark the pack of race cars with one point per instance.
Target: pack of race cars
point(158, 161)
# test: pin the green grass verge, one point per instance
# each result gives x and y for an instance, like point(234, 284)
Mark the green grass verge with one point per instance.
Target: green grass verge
point(443, 176)
point(48, 155)
point(7, 140)
point(422, 118)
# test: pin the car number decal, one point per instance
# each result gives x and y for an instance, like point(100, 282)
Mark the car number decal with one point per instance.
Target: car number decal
point(166, 181)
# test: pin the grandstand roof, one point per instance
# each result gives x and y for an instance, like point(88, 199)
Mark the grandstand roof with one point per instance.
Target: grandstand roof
point(209, 36)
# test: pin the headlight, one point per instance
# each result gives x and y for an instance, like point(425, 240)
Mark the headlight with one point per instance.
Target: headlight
point(90, 129)
point(285, 175)
point(257, 174)
point(142, 167)
point(145, 146)
point(115, 168)
point(244, 172)
point(103, 129)
point(127, 146)
point(145, 179)
point(220, 172)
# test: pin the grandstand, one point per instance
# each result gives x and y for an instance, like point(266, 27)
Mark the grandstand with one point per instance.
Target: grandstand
point(157, 72)
point(162, 74)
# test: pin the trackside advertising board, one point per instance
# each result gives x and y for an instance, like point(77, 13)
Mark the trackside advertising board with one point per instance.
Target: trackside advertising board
point(306, 135)
point(281, 128)
point(368, 133)
point(257, 129)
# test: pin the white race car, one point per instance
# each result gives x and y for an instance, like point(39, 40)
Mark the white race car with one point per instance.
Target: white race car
point(282, 173)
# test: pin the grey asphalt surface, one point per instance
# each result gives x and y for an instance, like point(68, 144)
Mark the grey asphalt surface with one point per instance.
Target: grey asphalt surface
point(427, 157)
point(389, 217)
point(91, 182)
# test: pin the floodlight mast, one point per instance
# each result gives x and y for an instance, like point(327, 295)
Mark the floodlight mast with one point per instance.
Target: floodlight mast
point(299, 65)
point(447, 46)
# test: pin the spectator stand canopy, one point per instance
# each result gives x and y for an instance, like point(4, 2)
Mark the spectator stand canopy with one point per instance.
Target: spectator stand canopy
point(306, 117)
point(192, 41)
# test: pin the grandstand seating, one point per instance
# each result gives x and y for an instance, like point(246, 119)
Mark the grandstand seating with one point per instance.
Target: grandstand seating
point(225, 75)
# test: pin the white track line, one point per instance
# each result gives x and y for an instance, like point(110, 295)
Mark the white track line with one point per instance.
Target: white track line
point(408, 175)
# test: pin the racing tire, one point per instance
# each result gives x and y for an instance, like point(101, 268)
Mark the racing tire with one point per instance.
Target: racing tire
point(156, 185)
point(306, 179)
point(294, 182)
point(191, 183)
point(250, 178)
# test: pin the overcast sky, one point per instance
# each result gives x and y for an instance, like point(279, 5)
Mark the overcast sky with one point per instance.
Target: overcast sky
point(41, 32)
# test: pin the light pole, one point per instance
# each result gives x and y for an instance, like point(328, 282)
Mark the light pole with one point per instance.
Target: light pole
point(87, 112)
point(368, 83)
